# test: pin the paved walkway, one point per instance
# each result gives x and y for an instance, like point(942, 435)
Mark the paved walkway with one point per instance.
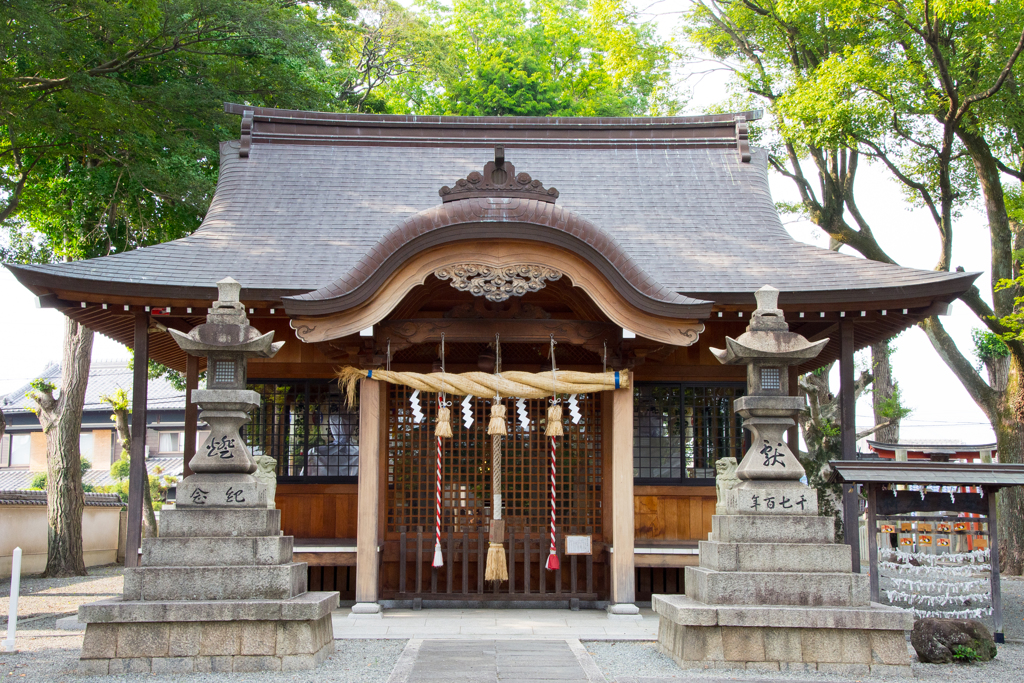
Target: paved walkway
point(500, 624)
point(491, 661)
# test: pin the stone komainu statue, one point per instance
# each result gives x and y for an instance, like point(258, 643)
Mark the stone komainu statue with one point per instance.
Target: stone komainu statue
point(724, 481)
point(266, 474)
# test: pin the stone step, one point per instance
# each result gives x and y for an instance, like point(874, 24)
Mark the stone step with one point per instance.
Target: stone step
point(274, 582)
point(309, 605)
point(777, 588)
point(772, 529)
point(219, 523)
point(216, 552)
point(775, 557)
point(681, 609)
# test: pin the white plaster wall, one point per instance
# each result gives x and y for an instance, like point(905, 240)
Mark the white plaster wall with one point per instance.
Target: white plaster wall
point(25, 526)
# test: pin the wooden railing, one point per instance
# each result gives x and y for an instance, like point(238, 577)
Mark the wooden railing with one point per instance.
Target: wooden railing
point(465, 556)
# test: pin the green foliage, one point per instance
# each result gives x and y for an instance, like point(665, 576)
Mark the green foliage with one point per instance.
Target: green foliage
point(112, 111)
point(43, 386)
point(891, 407)
point(965, 655)
point(537, 58)
point(157, 370)
point(120, 469)
point(38, 482)
point(988, 346)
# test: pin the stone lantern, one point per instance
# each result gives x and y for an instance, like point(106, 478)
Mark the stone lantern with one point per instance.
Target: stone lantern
point(223, 465)
point(769, 473)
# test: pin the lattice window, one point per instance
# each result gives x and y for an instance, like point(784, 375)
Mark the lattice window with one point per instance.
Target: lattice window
point(680, 431)
point(307, 428)
point(466, 490)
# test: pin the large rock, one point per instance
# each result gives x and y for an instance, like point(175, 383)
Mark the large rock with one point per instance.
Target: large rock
point(935, 639)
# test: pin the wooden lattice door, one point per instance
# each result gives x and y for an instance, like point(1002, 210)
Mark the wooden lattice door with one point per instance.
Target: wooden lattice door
point(466, 495)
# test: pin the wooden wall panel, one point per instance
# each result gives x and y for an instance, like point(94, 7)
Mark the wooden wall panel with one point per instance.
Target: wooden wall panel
point(668, 513)
point(317, 510)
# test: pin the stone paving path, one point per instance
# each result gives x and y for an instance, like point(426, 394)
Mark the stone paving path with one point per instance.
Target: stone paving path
point(497, 624)
point(491, 661)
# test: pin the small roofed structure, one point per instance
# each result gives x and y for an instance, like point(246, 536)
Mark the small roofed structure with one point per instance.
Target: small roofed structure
point(885, 484)
point(932, 450)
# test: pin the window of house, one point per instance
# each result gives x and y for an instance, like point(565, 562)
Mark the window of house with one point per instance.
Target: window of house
point(85, 445)
point(680, 430)
point(21, 450)
point(306, 426)
point(171, 442)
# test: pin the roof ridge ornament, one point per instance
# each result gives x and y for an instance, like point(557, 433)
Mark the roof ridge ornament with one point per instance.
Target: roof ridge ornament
point(499, 179)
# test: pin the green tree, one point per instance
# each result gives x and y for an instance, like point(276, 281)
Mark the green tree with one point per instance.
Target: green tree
point(931, 91)
point(539, 58)
point(110, 123)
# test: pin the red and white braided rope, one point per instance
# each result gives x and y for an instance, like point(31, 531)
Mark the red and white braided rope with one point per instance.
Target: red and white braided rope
point(438, 559)
point(552, 563)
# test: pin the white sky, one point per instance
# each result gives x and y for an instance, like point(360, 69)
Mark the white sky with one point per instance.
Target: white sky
point(32, 337)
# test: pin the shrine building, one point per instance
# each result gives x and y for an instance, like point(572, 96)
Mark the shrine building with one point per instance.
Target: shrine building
point(371, 241)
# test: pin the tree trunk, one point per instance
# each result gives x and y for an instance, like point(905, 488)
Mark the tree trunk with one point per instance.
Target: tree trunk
point(124, 432)
point(62, 423)
point(881, 391)
point(1010, 443)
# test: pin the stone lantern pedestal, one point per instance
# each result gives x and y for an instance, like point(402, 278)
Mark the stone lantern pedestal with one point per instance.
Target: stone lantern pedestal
point(217, 591)
point(773, 590)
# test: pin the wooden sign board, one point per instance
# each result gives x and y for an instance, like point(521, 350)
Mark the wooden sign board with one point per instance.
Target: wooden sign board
point(578, 545)
point(980, 543)
point(888, 528)
point(924, 540)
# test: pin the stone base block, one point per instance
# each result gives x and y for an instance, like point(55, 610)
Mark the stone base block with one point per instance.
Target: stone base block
point(776, 588)
point(228, 490)
point(686, 611)
point(768, 499)
point(207, 551)
point(775, 557)
point(624, 610)
point(767, 648)
point(219, 522)
point(273, 582)
point(309, 606)
point(771, 529)
point(199, 646)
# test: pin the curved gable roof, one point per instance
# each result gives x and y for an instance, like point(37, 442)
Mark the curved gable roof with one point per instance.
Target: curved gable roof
point(317, 192)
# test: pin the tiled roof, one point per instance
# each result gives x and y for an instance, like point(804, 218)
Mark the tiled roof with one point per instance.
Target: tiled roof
point(39, 498)
point(291, 218)
point(15, 480)
point(105, 378)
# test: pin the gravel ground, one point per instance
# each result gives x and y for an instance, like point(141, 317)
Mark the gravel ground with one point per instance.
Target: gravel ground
point(43, 601)
point(641, 660)
point(45, 656)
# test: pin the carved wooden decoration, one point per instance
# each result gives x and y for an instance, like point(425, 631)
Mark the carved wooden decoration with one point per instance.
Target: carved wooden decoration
point(499, 179)
point(497, 283)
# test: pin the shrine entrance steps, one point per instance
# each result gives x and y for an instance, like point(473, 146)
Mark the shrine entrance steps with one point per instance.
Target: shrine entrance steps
point(491, 661)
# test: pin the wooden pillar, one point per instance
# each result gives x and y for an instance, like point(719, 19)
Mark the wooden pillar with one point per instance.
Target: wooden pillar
point(623, 578)
point(873, 539)
point(367, 566)
point(793, 433)
point(191, 411)
point(848, 437)
point(137, 475)
point(993, 556)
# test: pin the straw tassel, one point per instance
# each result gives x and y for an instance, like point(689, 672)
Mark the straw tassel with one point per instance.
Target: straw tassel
point(444, 423)
point(497, 563)
point(497, 423)
point(554, 427)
